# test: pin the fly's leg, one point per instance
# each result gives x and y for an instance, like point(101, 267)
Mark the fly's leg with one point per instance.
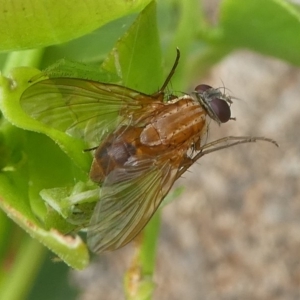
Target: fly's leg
point(238, 139)
point(161, 91)
point(185, 164)
point(227, 142)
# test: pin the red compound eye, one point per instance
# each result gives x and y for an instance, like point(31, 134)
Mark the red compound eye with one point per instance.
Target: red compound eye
point(202, 88)
point(221, 109)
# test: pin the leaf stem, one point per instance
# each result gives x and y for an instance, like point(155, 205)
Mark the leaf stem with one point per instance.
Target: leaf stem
point(25, 58)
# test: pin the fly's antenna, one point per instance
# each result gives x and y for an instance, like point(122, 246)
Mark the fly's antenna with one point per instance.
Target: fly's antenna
point(171, 72)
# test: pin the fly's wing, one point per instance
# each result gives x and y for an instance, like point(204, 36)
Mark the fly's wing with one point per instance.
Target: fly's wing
point(83, 108)
point(129, 197)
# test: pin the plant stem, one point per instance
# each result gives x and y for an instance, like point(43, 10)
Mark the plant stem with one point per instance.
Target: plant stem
point(138, 279)
point(16, 280)
point(19, 279)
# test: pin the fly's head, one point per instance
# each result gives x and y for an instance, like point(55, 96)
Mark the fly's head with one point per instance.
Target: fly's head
point(215, 103)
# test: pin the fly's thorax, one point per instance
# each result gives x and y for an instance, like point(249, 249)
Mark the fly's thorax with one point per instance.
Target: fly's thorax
point(177, 123)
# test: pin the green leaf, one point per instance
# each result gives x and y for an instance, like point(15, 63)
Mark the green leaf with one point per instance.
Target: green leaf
point(270, 27)
point(90, 48)
point(35, 23)
point(72, 250)
point(33, 158)
point(11, 90)
point(136, 58)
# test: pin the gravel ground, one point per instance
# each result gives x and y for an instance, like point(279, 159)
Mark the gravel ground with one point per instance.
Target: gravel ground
point(234, 232)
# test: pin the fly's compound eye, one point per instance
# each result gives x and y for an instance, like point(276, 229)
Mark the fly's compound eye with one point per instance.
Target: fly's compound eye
point(221, 109)
point(214, 102)
point(202, 88)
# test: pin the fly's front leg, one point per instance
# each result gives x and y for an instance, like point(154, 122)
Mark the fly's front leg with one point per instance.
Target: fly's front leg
point(185, 164)
point(239, 140)
point(227, 142)
point(210, 147)
point(202, 135)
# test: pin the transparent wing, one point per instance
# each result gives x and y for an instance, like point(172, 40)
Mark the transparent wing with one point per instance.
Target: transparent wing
point(83, 108)
point(129, 197)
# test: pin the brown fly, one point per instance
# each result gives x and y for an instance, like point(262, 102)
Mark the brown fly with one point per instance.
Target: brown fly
point(142, 143)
